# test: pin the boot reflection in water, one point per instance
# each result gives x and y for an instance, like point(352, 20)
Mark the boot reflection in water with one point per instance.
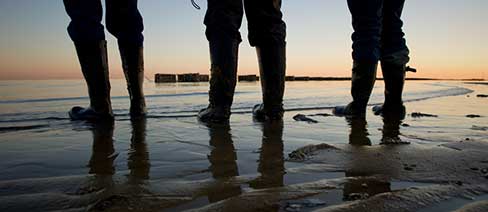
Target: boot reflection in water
point(271, 160)
point(223, 163)
point(391, 131)
point(138, 159)
point(359, 186)
point(267, 32)
point(101, 163)
point(358, 135)
point(124, 21)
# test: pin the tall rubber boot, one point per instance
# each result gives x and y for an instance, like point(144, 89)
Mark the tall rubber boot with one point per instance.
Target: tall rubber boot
point(363, 79)
point(94, 66)
point(223, 56)
point(272, 68)
point(133, 64)
point(394, 77)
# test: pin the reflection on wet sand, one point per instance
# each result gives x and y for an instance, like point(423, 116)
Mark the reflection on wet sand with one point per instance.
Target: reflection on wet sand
point(391, 131)
point(223, 163)
point(131, 193)
point(138, 160)
point(271, 160)
point(223, 160)
point(358, 135)
point(360, 185)
point(102, 158)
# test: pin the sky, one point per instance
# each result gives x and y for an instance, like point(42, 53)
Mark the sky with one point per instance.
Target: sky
point(447, 39)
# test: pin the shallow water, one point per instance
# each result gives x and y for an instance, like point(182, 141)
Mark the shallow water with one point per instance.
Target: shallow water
point(171, 161)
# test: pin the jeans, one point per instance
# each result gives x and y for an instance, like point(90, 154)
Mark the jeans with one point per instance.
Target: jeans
point(265, 24)
point(123, 20)
point(378, 33)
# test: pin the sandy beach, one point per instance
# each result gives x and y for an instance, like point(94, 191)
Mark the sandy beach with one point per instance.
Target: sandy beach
point(434, 160)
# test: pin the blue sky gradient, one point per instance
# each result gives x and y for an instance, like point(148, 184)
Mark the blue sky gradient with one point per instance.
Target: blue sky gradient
point(447, 39)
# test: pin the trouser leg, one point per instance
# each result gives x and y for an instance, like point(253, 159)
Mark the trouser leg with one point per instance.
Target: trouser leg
point(125, 22)
point(366, 21)
point(87, 33)
point(86, 17)
point(267, 32)
point(223, 20)
point(265, 23)
point(394, 52)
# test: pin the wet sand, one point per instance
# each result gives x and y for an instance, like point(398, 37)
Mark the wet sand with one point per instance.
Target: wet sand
point(424, 163)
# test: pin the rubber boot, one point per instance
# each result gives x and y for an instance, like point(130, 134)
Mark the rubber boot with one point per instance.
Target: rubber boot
point(133, 64)
point(272, 68)
point(394, 78)
point(94, 66)
point(223, 56)
point(363, 79)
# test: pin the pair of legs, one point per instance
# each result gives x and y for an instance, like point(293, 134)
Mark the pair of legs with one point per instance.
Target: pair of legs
point(378, 36)
point(267, 33)
point(124, 21)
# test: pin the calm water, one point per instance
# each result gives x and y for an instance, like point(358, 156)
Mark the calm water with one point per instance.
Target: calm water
point(50, 162)
point(42, 99)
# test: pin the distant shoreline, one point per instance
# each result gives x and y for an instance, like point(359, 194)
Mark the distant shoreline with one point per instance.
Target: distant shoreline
point(311, 79)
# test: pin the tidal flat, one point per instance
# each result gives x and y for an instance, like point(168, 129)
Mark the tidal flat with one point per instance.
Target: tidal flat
point(170, 161)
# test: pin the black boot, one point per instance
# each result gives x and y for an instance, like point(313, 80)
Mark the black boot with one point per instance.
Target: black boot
point(394, 78)
point(133, 65)
point(272, 68)
point(94, 66)
point(223, 55)
point(363, 79)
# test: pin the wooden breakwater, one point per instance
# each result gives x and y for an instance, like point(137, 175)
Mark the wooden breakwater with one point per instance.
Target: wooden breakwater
point(196, 77)
point(248, 78)
point(172, 78)
point(162, 78)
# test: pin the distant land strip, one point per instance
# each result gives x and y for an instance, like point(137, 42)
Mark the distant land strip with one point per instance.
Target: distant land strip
point(196, 77)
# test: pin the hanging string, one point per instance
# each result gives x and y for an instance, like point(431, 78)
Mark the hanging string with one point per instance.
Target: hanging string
point(195, 5)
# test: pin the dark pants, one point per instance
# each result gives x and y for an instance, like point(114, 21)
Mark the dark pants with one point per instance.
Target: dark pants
point(266, 27)
point(123, 20)
point(378, 31)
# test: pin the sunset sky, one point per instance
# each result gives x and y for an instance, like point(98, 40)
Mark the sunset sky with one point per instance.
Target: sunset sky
point(447, 38)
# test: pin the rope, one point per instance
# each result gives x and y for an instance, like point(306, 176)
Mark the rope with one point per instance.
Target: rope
point(195, 5)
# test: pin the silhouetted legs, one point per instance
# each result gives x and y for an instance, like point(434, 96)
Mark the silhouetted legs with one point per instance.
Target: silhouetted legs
point(377, 36)
point(266, 32)
point(85, 29)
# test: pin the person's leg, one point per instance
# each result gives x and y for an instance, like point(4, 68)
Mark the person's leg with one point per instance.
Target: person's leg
point(267, 32)
point(394, 57)
point(366, 22)
point(87, 33)
point(125, 22)
point(223, 20)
